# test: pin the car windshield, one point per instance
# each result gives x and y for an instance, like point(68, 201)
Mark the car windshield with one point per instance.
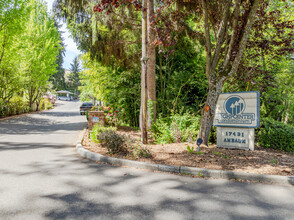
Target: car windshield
point(87, 104)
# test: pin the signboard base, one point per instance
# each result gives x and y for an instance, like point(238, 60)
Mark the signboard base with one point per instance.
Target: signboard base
point(235, 138)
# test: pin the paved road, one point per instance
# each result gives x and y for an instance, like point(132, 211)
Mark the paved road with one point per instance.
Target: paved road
point(42, 177)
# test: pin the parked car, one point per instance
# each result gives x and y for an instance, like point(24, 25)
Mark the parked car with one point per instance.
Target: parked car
point(84, 107)
point(63, 98)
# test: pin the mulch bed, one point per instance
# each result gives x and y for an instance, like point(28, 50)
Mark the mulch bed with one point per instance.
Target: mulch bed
point(260, 161)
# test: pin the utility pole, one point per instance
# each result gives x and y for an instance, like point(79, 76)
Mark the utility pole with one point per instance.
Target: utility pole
point(144, 60)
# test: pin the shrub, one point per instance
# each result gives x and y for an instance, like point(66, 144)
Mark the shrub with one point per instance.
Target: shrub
point(3, 108)
point(212, 135)
point(98, 129)
point(176, 128)
point(113, 116)
point(276, 135)
point(87, 115)
point(17, 105)
point(139, 152)
point(114, 142)
point(45, 104)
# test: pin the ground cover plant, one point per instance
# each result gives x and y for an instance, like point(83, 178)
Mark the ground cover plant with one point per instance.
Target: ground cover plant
point(176, 128)
point(98, 129)
point(112, 141)
point(261, 161)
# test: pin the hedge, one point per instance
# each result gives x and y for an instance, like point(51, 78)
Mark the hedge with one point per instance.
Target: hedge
point(276, 135)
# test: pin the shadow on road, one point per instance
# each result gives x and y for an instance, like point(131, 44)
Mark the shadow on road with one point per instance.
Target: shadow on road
point(89, 190)
point(12, 146)
point(122, 195)
point(35, 125)
point(60, 114)
point(99, 191)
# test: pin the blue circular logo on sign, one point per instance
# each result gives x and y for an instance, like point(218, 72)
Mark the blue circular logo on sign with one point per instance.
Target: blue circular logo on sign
point(234, 105)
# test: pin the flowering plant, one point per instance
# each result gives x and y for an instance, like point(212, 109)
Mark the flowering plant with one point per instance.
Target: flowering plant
point(96, 108)
point(112, 115)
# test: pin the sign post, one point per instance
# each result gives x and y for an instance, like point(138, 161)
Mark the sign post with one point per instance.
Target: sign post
point(236, 116)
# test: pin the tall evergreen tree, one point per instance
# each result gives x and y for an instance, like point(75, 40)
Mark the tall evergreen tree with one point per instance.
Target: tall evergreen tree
point(57, 78)
point(73, 77)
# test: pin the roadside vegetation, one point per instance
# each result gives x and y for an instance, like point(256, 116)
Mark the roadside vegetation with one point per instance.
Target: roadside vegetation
point(29, 47)
point(185, 80)
point(31, 58)
point(195, 51)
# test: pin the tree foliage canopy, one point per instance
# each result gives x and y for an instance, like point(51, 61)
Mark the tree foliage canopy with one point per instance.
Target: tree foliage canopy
point(29, 45)
point(239, 45)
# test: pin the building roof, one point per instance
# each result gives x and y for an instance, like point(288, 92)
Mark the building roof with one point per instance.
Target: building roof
point(64, 92)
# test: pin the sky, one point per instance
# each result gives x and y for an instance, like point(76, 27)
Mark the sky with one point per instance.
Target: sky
point(71, 49)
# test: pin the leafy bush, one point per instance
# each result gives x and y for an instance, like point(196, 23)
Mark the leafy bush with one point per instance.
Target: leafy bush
point(45, 104)
point(114, 142)
point(87, 115)
point(212, 135)
point(98, 129)
point(3, 108)
point(17, 105)
point(139, 152)
point(176, 128)
point(276, 135)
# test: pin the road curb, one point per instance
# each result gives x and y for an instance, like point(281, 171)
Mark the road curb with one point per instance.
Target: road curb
point(201, 172)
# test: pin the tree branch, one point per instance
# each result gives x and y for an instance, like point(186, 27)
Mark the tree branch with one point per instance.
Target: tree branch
point(221, 34)
point(3, 48)
point(247, 29)
point(234, 32)
point(207, 39)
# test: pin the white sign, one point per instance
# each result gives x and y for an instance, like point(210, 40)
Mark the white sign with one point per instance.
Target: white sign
point(240, 138)
point(240, 109)
point(95, 119)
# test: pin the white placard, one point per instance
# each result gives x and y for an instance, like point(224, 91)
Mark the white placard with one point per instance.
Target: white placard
point(240, 109)
point(95, 119)
point(237, 138)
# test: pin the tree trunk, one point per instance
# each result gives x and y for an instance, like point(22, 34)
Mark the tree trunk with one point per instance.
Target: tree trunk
point(151, 85)
point(144, 60)
point(31, 93)
point(207, 116)
point(229, 65)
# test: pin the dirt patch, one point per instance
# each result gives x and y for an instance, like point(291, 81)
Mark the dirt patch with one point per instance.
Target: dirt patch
point(260, 161)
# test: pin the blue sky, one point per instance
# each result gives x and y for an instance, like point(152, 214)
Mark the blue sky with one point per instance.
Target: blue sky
point(71, 49)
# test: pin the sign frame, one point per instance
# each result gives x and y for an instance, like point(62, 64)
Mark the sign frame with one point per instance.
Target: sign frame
point(240, 125)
